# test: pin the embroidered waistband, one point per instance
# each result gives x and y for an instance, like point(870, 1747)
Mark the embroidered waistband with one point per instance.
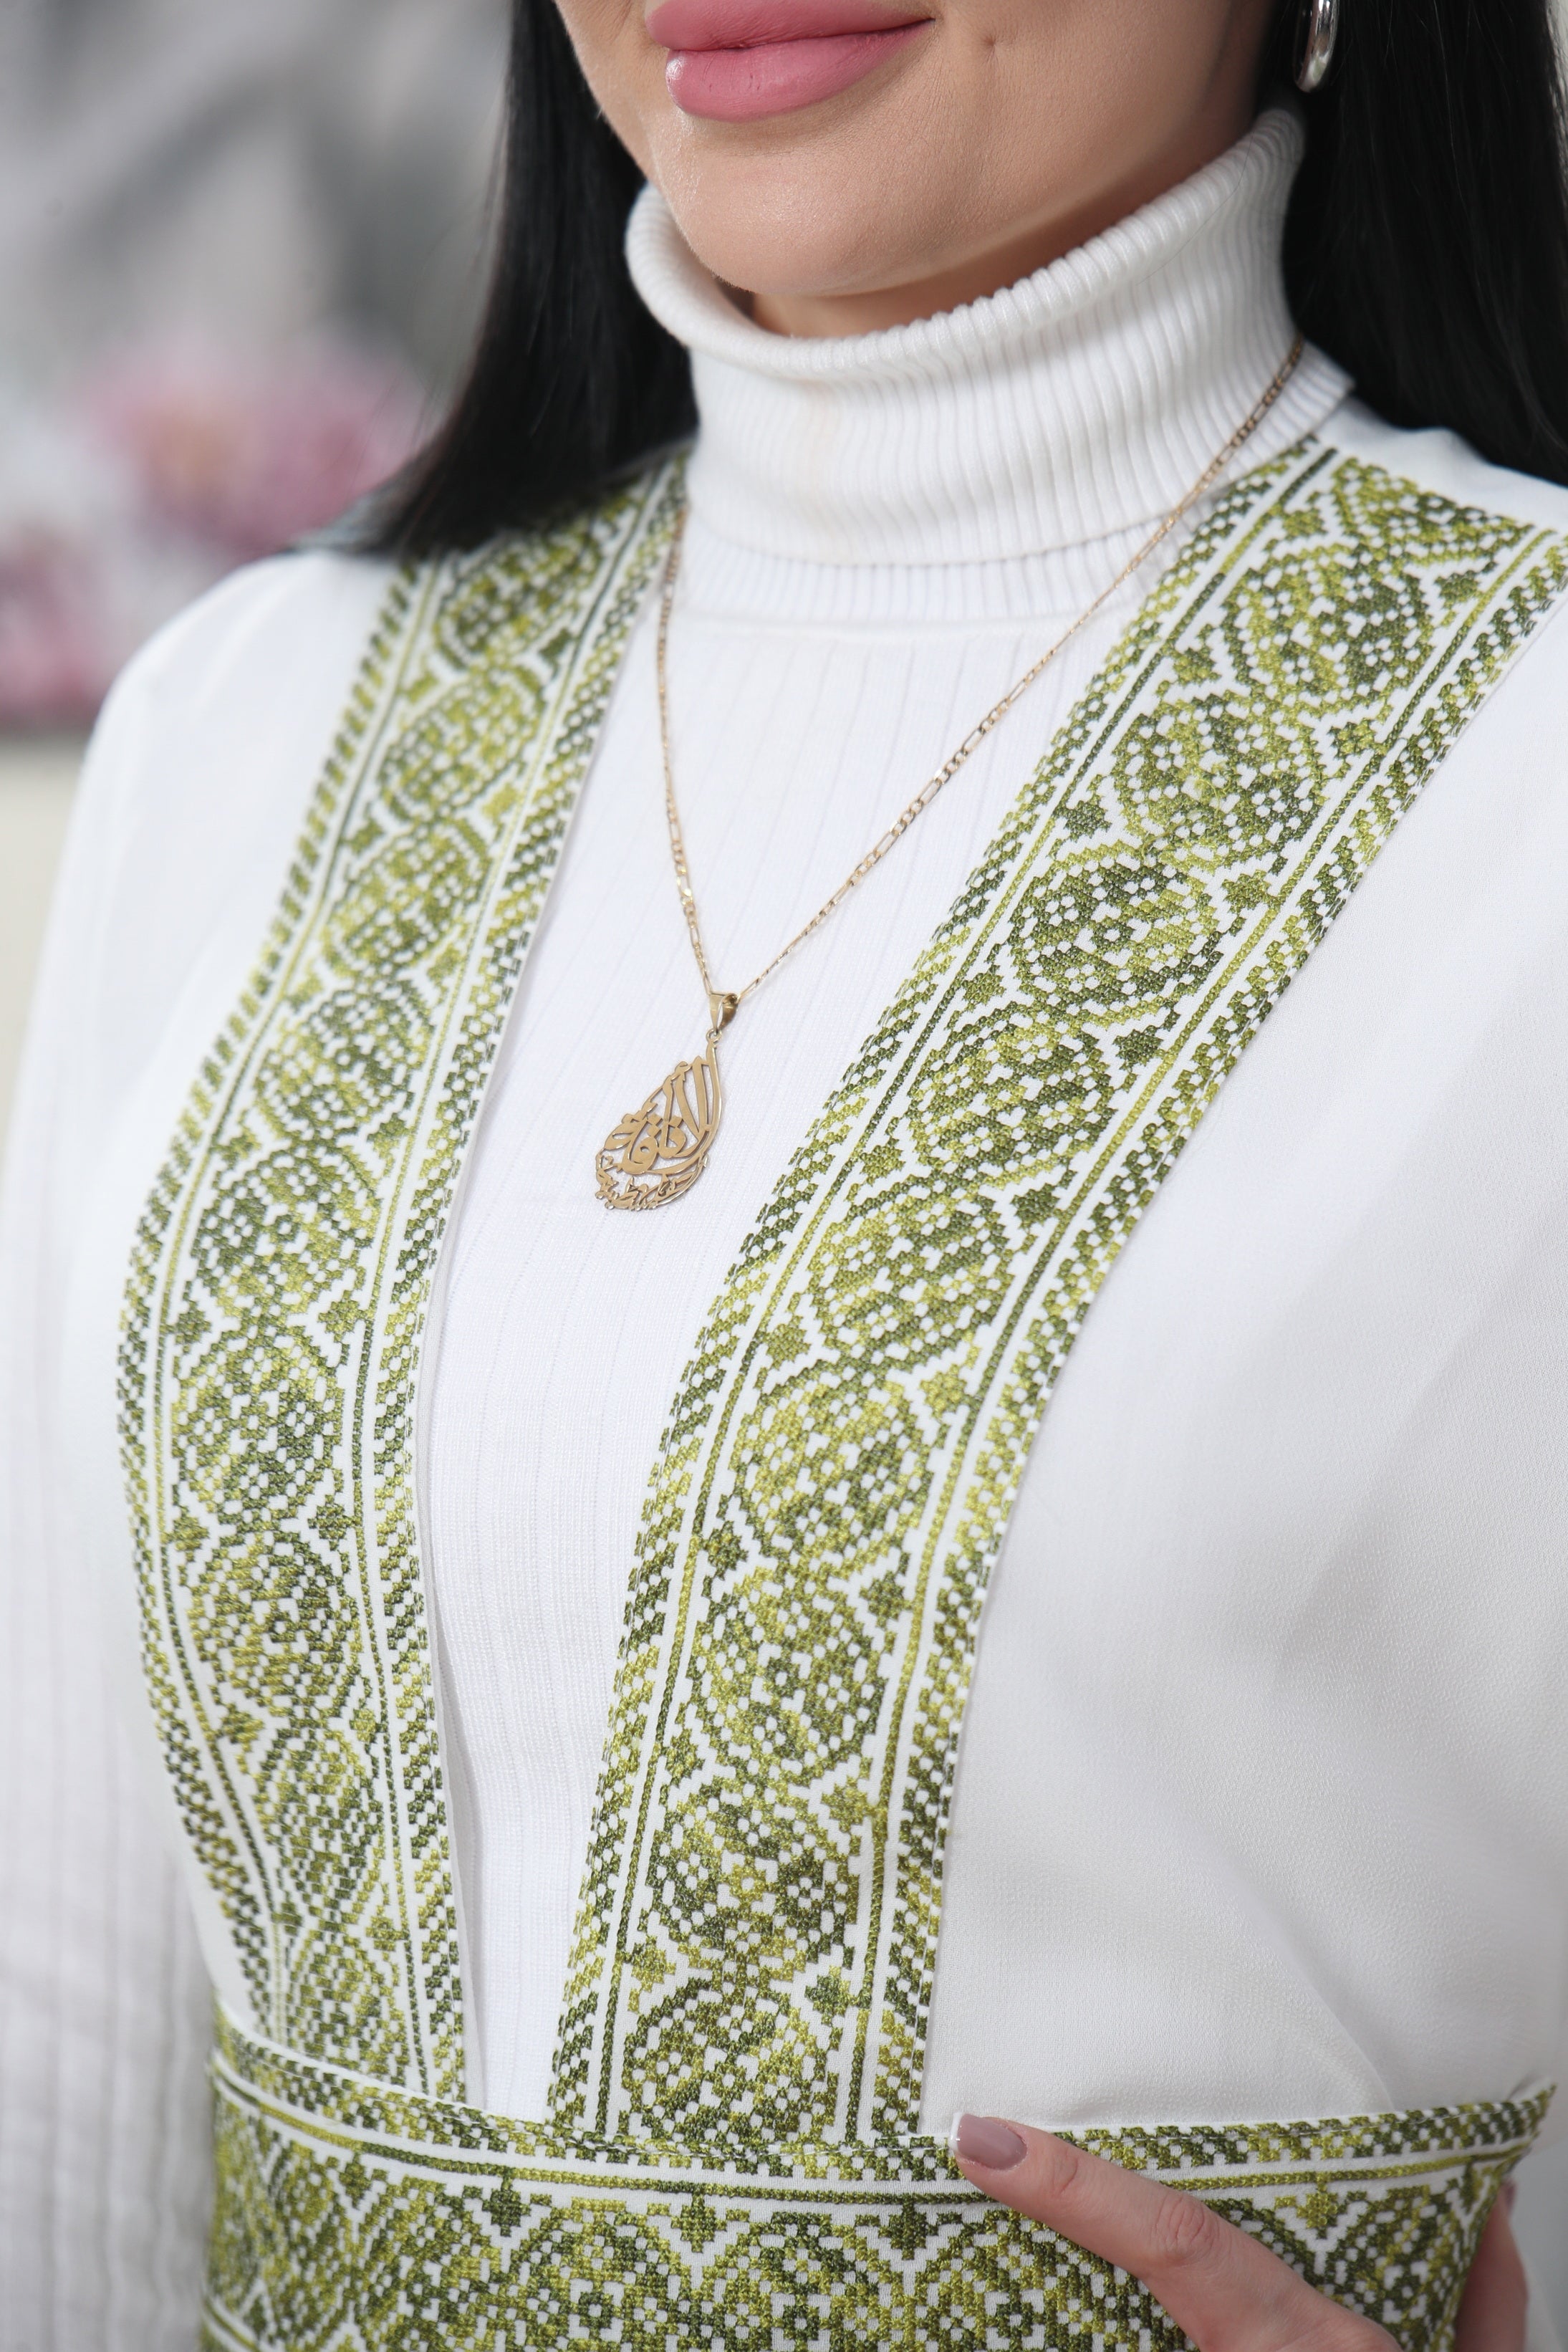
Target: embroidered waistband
point(350, 2214)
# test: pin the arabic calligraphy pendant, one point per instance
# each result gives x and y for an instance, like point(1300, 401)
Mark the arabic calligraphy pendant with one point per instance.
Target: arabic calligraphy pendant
point(658, 1151)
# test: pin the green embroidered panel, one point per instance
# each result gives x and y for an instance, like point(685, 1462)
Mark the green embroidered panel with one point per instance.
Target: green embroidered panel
point(281, 1276)
point(745, 2012)
point(757, 1934)
point(353, 2218)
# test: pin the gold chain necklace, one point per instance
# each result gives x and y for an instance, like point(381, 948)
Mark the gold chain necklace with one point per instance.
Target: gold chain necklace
point(658, 1151)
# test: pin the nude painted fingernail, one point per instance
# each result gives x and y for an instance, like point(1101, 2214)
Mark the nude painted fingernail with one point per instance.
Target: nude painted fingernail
point(981, 2139)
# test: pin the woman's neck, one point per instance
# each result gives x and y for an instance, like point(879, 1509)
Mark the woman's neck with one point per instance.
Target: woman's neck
point(1074, 405)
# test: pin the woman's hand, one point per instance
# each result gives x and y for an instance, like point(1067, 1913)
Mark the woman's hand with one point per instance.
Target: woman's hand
point(1220, 2285)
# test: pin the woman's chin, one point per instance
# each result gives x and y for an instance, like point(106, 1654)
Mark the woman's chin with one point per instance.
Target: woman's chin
point(816, 249)
point(810, 203)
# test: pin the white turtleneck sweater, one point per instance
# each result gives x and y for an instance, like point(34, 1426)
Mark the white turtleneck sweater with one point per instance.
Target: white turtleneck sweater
point(1259, 1806)
point(882, 540)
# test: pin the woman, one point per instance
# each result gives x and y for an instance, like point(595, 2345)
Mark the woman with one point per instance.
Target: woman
point(567, 1847)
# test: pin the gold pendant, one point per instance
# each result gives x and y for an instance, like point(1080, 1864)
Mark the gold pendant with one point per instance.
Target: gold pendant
point(658, 1151)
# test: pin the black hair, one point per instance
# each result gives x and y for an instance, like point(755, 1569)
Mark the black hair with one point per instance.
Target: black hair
point(1425, 247)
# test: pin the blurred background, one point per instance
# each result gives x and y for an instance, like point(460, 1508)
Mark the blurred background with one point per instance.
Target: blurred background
point(241, 250)
point(242, 246)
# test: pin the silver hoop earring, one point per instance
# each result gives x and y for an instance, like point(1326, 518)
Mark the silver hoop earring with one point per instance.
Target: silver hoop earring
point(1317, 30)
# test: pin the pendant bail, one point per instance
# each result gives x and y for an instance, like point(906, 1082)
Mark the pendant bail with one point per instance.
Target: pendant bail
point(722, 1008)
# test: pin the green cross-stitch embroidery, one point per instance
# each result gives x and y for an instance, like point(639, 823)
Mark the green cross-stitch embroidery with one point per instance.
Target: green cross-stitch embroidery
point(752, 1966)
point(351, 2215)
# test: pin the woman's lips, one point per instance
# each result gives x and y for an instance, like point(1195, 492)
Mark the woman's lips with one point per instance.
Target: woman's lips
point(734, 60)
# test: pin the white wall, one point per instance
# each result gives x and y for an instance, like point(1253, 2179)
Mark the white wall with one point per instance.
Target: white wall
point(35, 783)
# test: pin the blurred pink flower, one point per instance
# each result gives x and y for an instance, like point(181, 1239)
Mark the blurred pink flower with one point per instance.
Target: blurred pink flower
point(248, 453)
point(171, 466)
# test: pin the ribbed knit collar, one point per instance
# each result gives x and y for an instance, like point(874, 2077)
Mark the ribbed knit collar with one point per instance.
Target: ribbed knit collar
point(1075, 406)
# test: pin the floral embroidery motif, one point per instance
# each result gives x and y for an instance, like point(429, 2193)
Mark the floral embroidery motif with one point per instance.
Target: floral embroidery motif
point(351, 2215)
point(758, 1932)
point(751, 1972)
point(281, 1277)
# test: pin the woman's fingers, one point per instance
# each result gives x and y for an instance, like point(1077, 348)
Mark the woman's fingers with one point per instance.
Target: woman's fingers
point(1493, 2311)
point(1220, 2286)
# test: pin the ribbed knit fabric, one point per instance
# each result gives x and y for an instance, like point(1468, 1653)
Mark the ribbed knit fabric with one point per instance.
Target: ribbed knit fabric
point(1070, 408)
point(884, 533)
